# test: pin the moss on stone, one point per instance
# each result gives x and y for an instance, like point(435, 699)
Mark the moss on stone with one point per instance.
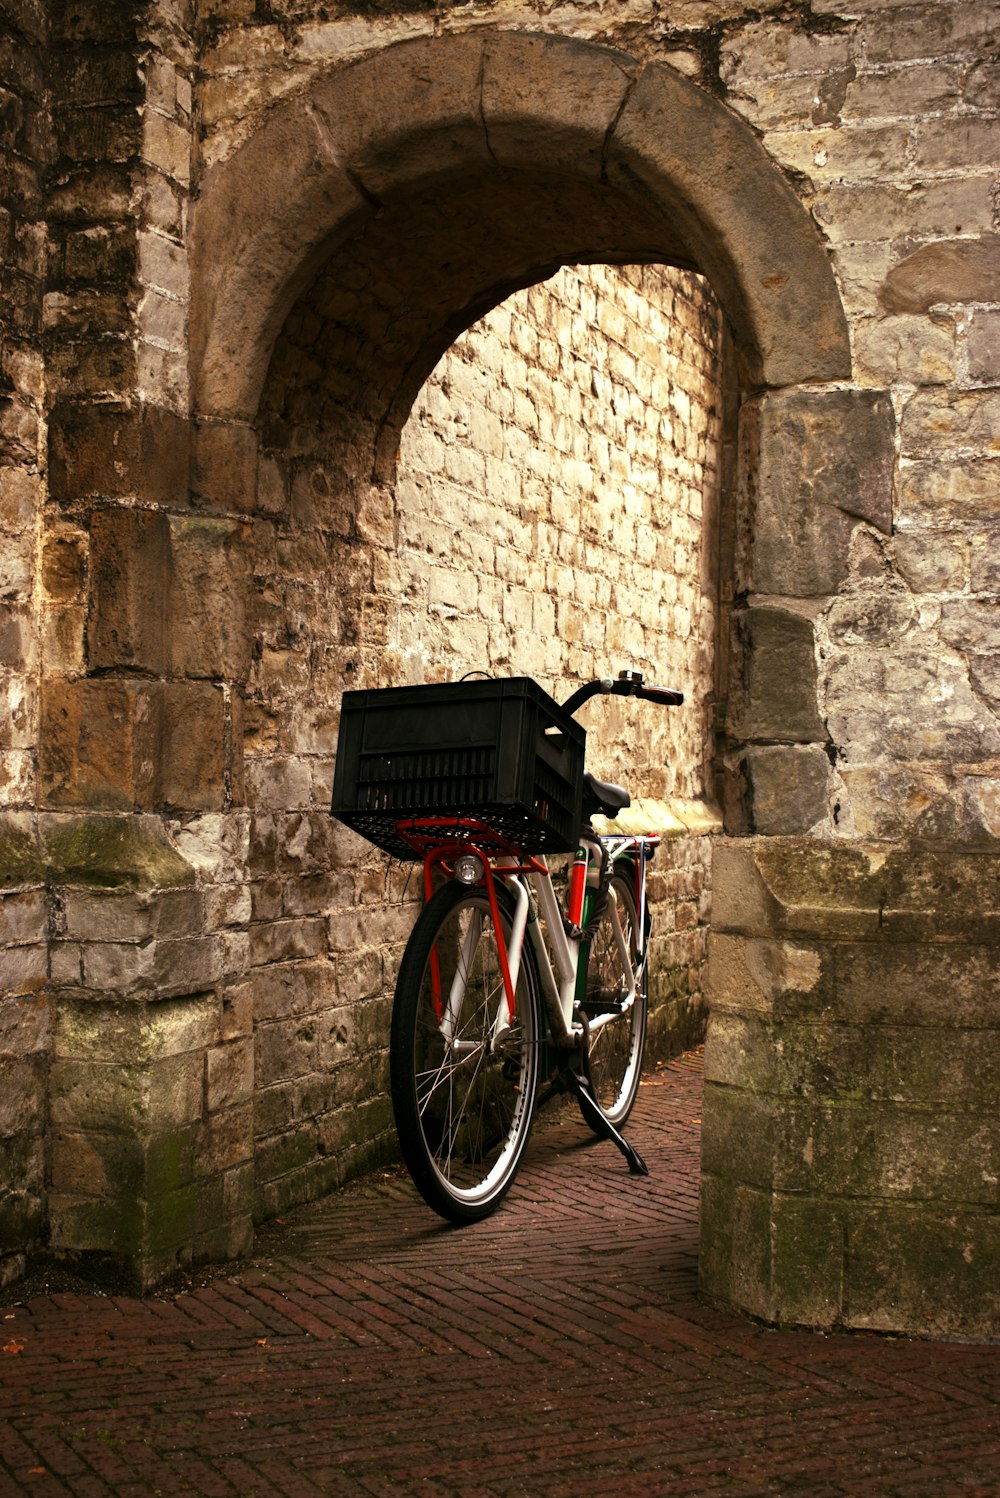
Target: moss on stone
point(20, 861)
point(115, 853)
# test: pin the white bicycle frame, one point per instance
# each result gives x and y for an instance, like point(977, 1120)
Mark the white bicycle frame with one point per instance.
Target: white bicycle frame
point(559, 991)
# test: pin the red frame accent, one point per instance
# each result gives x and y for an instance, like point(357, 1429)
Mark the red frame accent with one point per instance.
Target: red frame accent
point(421, 834)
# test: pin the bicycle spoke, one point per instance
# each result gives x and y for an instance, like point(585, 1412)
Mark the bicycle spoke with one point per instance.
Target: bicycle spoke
point(464, 1104)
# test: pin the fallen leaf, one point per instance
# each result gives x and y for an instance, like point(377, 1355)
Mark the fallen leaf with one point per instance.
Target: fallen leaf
point(13, 1347)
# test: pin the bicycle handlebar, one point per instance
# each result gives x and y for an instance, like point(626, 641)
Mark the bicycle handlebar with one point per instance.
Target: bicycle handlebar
point(628, 684)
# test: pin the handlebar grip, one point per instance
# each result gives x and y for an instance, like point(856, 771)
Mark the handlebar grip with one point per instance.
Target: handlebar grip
point(665, 696)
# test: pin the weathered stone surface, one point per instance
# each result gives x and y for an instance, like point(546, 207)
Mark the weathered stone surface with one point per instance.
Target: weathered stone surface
point(209, 597)
point(224, 468)
point(935, 422)
point(907, 1258)
point(531, 76)
point(824, 462)
point(984, 346)
point(396, 119)
point(920, 703)
point(948, 271)
point(923, 802)
point(99, 744)
point(789, 788)
point(834, 1069)
point(776, 697)
point(105, 452)
point(934, 562)
point(907, 350)
point(130, 852)
point(129, 576)
point(681, 146)
point(841, 890)
point(193, 772)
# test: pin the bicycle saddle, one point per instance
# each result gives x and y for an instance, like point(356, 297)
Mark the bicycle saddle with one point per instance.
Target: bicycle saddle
point(603, 796)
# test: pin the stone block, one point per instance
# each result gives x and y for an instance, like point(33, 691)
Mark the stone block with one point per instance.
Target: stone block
point(907, 350)
point(833, 1078)
point(391, 125)
point(937, 983)
point(230, 1074)
point(227, 1139)
point(22, 969)
point(128, 582)
point(120, 916)
point(137, 1032)
point(813, 889)
point(22, 1095)
point(934, 561)
point(24, 1024)
point(21, 862)
point(97, 1096)
point(947, 271)
point(731, 208)
point(110, 452)
point(287, 940)
point(824, 462)
point(789, 788)
point(99, 743)
point(209, 597)
point(734, 1260)
point(24, 918)
point(908, 700)
point(18, 638)
point(917, 210)
point(113, 852)
point(224, 468)
point(582, 88)
point(986, 562)
point(193, 767)
point(924, 1268)
point(755, 975)
point(774, 696)
point(64, 565)
point(983, 345)
point(286, 1049)
point(935, 422)
point(187, 965)
point(22, 1220)
point(954, 492)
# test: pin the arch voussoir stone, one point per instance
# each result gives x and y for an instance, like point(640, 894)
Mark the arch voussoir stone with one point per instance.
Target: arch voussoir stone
point(551, 102)
point(744, 226)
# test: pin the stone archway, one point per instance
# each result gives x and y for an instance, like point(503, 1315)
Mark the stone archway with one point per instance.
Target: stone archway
point(546, 151)
point(333, 158)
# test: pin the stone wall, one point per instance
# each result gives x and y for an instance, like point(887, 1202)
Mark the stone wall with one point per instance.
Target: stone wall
point(24, 1013)
point(261, 232)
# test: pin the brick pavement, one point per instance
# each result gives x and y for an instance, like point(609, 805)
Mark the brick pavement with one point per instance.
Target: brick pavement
point(558, 1348)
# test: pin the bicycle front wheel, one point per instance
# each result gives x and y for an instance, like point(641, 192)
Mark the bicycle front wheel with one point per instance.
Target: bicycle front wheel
point(463, 1071)
point(617, 1038)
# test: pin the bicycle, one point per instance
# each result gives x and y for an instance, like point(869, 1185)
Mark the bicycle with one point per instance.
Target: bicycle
point(504, 1000)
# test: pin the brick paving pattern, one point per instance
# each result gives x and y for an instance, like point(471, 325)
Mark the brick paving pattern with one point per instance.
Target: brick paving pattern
point(559, 1348)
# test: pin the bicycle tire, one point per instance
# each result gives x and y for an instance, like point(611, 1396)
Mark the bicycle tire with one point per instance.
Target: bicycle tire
point(616, 1048)
point(463, 1117)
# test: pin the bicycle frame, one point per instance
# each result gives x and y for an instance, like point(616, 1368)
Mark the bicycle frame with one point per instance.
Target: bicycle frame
point(500, 860)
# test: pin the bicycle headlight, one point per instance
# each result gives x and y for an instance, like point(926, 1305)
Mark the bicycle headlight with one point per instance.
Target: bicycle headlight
point(468, 868)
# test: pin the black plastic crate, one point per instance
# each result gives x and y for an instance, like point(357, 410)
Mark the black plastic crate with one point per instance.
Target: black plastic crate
point(502, 751)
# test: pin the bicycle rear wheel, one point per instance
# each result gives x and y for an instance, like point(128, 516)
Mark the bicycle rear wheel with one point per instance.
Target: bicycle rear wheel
point(463, 1090)
point(617, 1043)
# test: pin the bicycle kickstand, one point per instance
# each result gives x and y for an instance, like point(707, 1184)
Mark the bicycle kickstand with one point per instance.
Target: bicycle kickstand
point(577, 1079)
